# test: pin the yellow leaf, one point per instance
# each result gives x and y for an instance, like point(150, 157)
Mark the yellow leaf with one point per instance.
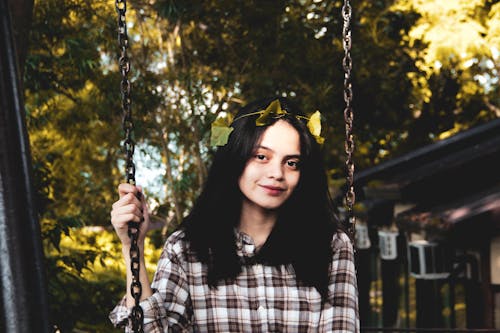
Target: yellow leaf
point(314, 124)
point(319, 139)
point(273, 109)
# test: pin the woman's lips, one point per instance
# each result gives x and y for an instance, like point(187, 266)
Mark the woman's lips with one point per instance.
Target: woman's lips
point(273, 190)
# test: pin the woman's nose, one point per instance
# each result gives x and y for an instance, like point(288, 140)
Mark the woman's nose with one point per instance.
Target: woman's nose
point(275, 170)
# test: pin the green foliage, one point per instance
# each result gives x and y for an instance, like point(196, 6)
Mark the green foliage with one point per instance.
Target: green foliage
point(453, 84)
point(74, 297)
point(86, 277)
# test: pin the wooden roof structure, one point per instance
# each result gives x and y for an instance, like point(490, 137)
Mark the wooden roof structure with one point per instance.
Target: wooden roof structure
point(450, 182)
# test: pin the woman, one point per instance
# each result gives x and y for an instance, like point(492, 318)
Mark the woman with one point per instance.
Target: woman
point(261, 250)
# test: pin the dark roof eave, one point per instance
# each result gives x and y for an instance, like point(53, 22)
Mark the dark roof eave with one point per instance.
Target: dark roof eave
point(430, 152)
point(448, 215)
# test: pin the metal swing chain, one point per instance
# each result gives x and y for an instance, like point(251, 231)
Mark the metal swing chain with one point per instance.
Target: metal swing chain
point(137, 315)
point(350, 196)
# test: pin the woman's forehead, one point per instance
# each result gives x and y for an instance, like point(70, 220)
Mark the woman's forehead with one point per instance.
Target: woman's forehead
point(281, 137)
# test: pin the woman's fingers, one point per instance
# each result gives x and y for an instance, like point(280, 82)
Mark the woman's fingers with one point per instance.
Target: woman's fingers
point(125, 188)
point(131, 211)
point(130, 207)
point(127, 208)
point(126, 199)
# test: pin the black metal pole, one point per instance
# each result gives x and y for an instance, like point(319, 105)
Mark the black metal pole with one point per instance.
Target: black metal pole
point(23, 299)
point(404, 253)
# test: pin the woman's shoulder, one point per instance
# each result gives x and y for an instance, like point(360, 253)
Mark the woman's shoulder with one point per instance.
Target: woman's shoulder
point(176, 244)
point(342, 261)
point(177, 236)
point(341, 240)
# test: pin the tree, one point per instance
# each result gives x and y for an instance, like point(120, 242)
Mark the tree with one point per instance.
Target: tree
point(454, 84)
point(71, 128)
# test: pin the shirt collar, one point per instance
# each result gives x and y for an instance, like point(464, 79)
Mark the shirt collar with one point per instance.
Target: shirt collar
point(245, 245)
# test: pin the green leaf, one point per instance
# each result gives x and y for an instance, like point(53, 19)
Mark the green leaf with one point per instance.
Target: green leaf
point(219, 135)
point(220, 130)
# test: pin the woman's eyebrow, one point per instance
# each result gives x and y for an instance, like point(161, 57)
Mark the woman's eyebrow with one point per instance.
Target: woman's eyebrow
point(271, 150)
point(264, 147)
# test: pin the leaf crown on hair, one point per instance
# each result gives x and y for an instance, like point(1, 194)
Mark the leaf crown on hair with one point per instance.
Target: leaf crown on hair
point(221, 127)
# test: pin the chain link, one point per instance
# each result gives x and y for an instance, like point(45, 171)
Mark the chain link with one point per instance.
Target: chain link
point(137, 315)
point(350, 196)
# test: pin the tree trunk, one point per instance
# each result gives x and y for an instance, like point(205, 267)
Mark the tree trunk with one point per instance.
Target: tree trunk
point(168, 171)
point(195, 124)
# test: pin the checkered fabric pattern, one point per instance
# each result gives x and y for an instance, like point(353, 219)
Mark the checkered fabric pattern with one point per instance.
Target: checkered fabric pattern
point(261, 299)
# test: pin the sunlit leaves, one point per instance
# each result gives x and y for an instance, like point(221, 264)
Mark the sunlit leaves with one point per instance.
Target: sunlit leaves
point(493, 24)
point(450, 43)
point(454, 32)
point(86, 278)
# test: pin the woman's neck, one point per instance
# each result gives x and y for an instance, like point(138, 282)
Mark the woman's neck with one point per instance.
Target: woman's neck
point(256, 222)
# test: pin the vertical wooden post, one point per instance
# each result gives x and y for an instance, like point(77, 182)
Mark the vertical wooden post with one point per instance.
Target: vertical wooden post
point(404, 260)
point(363, 264)
point(488, 317)
point(23, 299)
point(429, 304)
point(390, 291)
point(382, 215)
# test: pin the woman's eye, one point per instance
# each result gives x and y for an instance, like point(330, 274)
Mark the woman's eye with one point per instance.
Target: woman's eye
point(260, 157)
point(293, 164)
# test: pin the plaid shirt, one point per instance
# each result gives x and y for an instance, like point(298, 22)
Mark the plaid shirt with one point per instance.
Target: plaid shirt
point(261, 299)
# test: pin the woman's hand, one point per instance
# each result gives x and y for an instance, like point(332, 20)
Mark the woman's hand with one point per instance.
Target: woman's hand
point(129, 208)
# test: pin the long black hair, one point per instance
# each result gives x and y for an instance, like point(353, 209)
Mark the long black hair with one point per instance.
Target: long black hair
point(305, 224)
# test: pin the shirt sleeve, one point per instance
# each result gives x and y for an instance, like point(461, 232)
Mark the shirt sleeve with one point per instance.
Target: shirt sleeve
point(169, 308)
point(340, 313)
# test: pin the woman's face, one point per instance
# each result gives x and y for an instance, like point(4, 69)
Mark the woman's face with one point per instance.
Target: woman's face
point(273, 171)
